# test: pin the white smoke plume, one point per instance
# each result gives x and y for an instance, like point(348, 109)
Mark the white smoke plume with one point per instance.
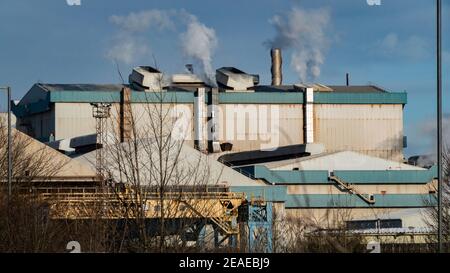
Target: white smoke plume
point(143, 20)
point(127, 48)
point(305, 32)
point(427, 132)
point(199, 42)
point(129, 45)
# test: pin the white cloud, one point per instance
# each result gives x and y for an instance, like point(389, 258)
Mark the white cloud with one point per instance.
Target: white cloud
point(412, 47)
point(143, 20)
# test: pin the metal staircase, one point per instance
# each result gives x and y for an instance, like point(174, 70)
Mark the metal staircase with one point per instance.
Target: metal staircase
point(222, 222)
point(348, 187)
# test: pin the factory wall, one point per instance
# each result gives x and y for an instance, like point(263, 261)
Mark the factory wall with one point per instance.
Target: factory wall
point(251, 121)
point(260, 126)
point(372, 129)
point(367, 189)
point(75, 119)
point(38, 126)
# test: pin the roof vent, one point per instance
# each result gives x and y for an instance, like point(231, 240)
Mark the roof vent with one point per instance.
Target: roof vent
point(146, 78)
point(186, 79)
point(231, 78)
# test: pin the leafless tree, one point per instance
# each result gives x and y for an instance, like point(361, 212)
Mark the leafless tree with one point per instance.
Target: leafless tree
point(431, 214)
point(25, 225)
point(309, 234)
point(158, 180)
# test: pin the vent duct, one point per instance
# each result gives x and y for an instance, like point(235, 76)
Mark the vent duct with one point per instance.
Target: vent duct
point(146, 78)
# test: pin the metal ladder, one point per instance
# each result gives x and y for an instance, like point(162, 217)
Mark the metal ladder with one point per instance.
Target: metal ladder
point(223, 225)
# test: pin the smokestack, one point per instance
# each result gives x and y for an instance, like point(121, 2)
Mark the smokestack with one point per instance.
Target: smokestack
point(190, 68)
point(347, 78)
point(277, 76)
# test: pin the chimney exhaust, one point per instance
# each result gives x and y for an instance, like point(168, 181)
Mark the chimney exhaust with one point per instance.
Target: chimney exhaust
point(277, 76)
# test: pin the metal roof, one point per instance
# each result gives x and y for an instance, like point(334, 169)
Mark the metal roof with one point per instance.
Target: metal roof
point(393, 231)
point(381, 231)
point(335, 88)
point(341, 160)
point(187, 159)
point(357, 88)
point(81, 87)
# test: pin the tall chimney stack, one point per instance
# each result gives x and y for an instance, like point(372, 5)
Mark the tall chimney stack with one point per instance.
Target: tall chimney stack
point(277, 76)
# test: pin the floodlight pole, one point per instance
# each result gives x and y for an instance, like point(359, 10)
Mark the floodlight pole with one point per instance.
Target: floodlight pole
point(9, 149)
point(439, 120)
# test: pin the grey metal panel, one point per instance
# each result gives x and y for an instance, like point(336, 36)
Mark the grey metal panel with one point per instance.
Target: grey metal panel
point(375, 130)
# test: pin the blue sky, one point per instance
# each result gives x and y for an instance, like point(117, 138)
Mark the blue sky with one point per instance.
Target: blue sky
point(391, 45)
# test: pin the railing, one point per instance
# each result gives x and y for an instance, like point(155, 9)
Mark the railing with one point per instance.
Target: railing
point(152, 195)
point(352, 190)
point(238, 169)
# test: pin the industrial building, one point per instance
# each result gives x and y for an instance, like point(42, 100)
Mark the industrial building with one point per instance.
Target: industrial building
point(303, 150)
point(239, 111)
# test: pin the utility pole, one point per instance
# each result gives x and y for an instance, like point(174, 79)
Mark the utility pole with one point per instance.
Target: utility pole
point(9, 144)
point(439, 119)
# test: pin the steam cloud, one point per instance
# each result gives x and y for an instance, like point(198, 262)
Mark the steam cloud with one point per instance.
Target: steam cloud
point(427, 130)
point(303, 31)
point(197, 41)
point(128, 46)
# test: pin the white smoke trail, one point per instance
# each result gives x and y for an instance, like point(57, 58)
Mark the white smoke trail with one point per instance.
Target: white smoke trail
point(426, 131)
point(199, 42)
point(143, 20)
point(128, 45)
point(303, 31)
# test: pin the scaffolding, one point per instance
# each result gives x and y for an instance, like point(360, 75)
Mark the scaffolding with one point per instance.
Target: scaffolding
point(260, 223)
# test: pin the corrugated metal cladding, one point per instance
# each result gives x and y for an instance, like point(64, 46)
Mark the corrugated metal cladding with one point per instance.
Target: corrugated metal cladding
point(253, 127)
point(375, 130)
point(75, 119)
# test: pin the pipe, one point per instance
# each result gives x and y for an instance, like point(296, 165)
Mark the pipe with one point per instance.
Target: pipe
point(276, 69)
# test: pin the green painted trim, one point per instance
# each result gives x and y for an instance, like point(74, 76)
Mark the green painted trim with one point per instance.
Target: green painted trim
point(388, 176)
point(288, 177)
point(281, 177)
point(114, 96)
point(84, 96)
point(353, 201)
point(261, 98)
point(165, 97)
point(360, 98)
point(269, 193)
